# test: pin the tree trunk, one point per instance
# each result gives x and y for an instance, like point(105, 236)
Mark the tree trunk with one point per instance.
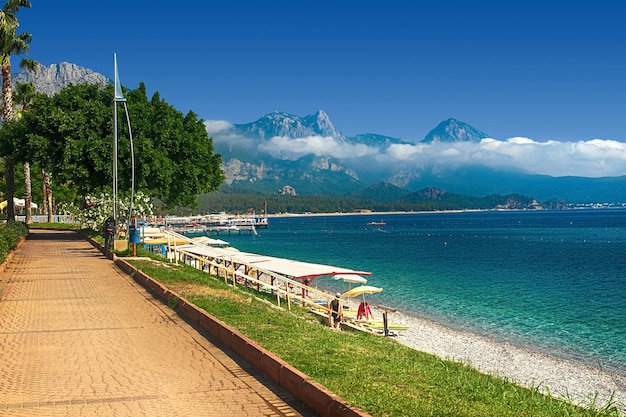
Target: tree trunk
point(9, 168)
point(44, 193)
point(8, 114)
point(47, 180)
point(28, 197)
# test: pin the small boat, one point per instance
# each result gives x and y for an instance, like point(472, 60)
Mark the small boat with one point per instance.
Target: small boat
point(380, 223)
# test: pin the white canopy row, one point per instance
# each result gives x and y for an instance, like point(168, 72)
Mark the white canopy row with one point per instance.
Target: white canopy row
point(286, 267)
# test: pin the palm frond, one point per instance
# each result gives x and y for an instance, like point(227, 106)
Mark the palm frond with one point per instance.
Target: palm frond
point(29, 65)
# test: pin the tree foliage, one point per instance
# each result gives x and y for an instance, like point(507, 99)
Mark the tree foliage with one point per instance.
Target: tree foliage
point(71, 135)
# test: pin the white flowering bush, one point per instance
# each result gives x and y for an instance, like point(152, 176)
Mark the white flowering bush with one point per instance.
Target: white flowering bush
point(101, 206)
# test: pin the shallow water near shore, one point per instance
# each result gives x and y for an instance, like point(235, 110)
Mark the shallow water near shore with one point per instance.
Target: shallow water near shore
point(551, 281)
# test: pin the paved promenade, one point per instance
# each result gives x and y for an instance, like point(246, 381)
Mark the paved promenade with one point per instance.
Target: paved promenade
point(79, 338)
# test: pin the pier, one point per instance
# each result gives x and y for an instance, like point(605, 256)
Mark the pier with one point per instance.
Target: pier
point(217, 224)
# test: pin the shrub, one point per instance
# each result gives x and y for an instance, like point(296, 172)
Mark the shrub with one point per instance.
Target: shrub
point(100, 207)
point(10, 234)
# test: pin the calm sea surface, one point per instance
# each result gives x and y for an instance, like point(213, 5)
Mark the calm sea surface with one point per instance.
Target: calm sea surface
point(553, 281)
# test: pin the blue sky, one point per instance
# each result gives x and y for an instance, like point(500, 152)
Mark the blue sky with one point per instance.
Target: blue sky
point(536, 69)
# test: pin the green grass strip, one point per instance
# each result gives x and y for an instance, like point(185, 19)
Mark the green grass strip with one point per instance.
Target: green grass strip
point(54, 226)
point(379, 375)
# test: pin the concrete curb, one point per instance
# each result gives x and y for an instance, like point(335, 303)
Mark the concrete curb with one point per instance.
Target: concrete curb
point(314, 395)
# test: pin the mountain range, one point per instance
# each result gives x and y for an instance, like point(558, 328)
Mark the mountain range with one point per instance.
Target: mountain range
point(310, 156)
point(281, 153)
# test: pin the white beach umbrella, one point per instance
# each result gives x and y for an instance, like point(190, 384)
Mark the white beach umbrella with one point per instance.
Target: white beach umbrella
point(350, 278)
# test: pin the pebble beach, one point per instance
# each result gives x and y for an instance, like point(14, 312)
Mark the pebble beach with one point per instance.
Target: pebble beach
point(562, 378)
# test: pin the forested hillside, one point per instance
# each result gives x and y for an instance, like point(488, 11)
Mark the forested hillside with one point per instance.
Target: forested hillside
point(420, 201)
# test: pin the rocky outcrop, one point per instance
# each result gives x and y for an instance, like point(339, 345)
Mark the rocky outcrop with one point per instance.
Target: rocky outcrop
point(287, 190)
point(237, 170)
point(431, 193)
point(333, 165)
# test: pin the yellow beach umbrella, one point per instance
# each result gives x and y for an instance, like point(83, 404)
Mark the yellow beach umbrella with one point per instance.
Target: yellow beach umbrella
point(362, 290)
point(3, 204)
point(165, 241)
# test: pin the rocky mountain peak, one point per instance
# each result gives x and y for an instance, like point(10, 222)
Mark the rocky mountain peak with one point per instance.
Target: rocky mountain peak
point(51, 79)
point(452, 130)
point(321, 123)
point(288, 125)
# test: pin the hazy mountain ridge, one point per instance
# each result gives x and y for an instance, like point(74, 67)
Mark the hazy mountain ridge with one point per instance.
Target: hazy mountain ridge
point(380, 141)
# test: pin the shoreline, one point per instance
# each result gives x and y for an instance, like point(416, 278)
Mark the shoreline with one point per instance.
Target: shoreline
point(374, 213)
point(587, 385)
point(384, 213)
point(562, 378)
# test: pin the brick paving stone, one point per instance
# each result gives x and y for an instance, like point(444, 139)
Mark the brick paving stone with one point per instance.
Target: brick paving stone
point(80, 338)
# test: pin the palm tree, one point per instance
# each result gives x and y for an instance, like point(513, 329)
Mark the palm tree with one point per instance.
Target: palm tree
point(24, 94)
point(46, 188)
point(11, 44)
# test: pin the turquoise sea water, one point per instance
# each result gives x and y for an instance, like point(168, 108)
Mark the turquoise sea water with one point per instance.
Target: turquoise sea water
point(553, 281)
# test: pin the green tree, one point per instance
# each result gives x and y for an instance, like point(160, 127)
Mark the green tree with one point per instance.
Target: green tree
point(11, 43)
point(70, 135)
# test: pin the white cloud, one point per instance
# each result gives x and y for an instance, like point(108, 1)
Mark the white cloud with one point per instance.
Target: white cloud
point(594, 158)
point(403, 152)
point(318, 145)
point(220, 131)
point(216, 126)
